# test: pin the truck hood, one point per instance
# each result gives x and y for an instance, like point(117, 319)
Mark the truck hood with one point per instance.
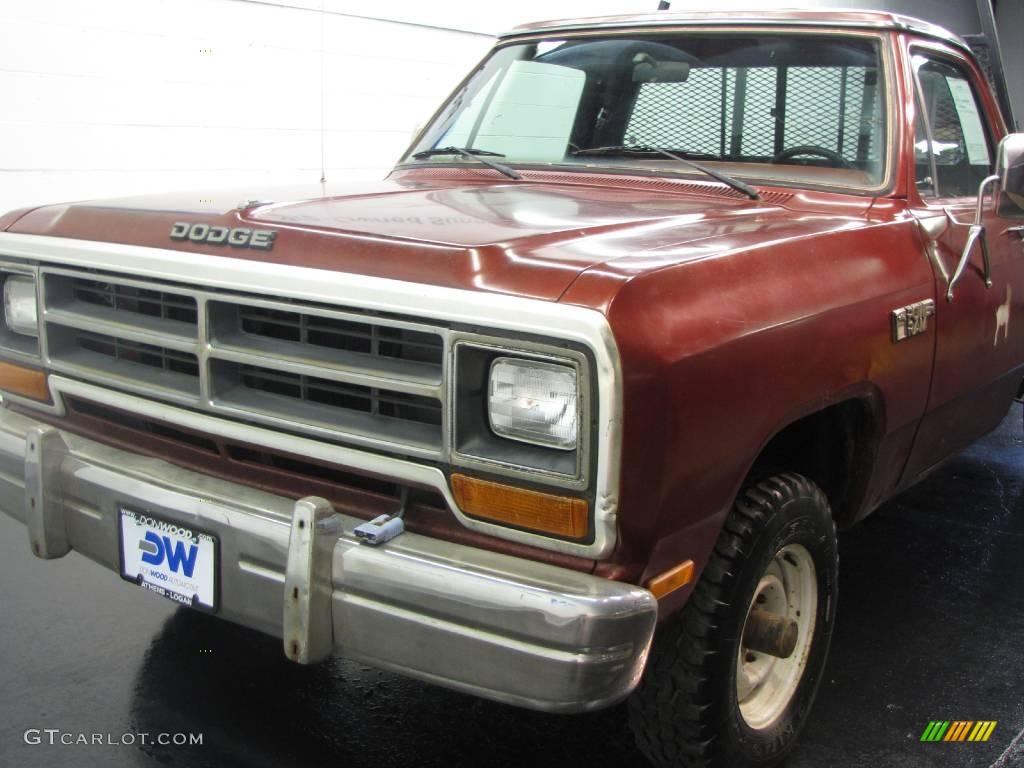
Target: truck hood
point(459, 229)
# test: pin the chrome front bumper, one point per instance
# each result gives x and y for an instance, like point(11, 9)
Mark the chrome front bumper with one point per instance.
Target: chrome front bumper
point(499, 627)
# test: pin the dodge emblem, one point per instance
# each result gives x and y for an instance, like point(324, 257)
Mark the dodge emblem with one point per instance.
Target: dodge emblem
point(238, 237)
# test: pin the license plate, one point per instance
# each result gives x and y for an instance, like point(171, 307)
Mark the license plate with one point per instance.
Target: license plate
point(170, 559)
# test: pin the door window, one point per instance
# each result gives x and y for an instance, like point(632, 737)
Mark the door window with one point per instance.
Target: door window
point(952, 146)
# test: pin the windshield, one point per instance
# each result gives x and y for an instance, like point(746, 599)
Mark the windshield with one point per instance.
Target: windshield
point(793, 109)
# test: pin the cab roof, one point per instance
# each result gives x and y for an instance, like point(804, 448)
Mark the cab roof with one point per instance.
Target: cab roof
point(819, 18)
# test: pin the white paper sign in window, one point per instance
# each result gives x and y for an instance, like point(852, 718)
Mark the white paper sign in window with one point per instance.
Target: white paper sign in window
point(970, 121)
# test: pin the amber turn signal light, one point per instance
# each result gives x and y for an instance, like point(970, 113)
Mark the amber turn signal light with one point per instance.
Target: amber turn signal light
point(26, 382)
point(536, 511)
point(671, 580)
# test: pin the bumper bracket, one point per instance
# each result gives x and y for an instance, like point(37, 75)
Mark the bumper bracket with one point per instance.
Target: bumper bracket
point(308, 629)
point(44, 509)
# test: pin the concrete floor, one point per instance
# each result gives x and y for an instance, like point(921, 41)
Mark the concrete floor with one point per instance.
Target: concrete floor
point(931, 626)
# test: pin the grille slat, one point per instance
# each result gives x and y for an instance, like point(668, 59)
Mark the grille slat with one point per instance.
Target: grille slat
point(143, 354)
point(135, 299)
point(359, 427)
point(145, 368)
point(366, 399)
point(341, 374)
point(400, 376)
point(346, 335)
point(145, 330)
point(155, 303)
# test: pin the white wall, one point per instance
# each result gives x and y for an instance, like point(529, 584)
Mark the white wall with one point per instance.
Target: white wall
point(113, 97)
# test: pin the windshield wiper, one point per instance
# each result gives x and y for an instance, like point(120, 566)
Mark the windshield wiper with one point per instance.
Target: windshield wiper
point(472, 154)
point(736, 184)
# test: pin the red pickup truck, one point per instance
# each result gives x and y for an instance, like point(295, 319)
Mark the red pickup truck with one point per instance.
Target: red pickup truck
point(570, 405)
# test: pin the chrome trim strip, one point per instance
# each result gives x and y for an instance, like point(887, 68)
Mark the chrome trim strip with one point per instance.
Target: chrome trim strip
point(506, 313)
point(896, 22)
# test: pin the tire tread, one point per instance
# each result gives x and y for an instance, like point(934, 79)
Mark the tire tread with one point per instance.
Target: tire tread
point(682, 735)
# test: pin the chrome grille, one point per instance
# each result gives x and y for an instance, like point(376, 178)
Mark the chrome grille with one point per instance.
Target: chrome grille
point(341, 374)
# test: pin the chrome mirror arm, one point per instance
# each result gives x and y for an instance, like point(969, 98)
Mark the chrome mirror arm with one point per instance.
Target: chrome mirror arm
point(975, 233)
point(984, 259)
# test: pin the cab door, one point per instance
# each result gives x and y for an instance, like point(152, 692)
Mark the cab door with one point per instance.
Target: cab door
point(979, 331)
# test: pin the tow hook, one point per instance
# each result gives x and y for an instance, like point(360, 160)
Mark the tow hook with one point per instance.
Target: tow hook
point(380, 529)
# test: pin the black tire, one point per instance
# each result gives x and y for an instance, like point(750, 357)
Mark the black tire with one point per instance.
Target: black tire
point(686, 710)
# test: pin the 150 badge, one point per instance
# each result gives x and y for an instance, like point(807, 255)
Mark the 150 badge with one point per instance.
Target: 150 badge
point(238, 237)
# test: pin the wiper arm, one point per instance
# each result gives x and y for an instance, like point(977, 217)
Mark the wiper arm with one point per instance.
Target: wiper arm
point(472, 154)
point(736, 184)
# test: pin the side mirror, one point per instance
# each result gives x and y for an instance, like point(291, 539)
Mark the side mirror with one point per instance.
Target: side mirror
point(1010, 170)
point(1009, 180)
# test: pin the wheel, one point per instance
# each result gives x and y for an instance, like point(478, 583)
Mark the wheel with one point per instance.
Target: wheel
point(731, 678)
point(837, 160)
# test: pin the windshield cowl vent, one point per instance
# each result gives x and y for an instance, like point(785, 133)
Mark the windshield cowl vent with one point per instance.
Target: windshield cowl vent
point(710, 189)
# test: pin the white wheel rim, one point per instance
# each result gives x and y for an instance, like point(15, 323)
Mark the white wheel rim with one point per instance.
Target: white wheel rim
point(766, 684)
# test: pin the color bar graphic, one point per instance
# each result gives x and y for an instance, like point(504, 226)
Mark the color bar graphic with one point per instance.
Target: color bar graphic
point(982, 730)
point(935, 731)
point(958, 730)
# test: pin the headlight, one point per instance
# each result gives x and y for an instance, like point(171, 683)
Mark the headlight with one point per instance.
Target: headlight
point(534, 402)
point(20, 313)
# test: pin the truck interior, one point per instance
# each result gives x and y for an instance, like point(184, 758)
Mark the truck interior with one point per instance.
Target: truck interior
point(798, 107)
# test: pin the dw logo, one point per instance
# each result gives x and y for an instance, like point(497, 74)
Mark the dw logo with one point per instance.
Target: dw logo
point(161, 547)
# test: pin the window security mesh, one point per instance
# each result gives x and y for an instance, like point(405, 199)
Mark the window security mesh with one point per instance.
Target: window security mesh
point(736, 112)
